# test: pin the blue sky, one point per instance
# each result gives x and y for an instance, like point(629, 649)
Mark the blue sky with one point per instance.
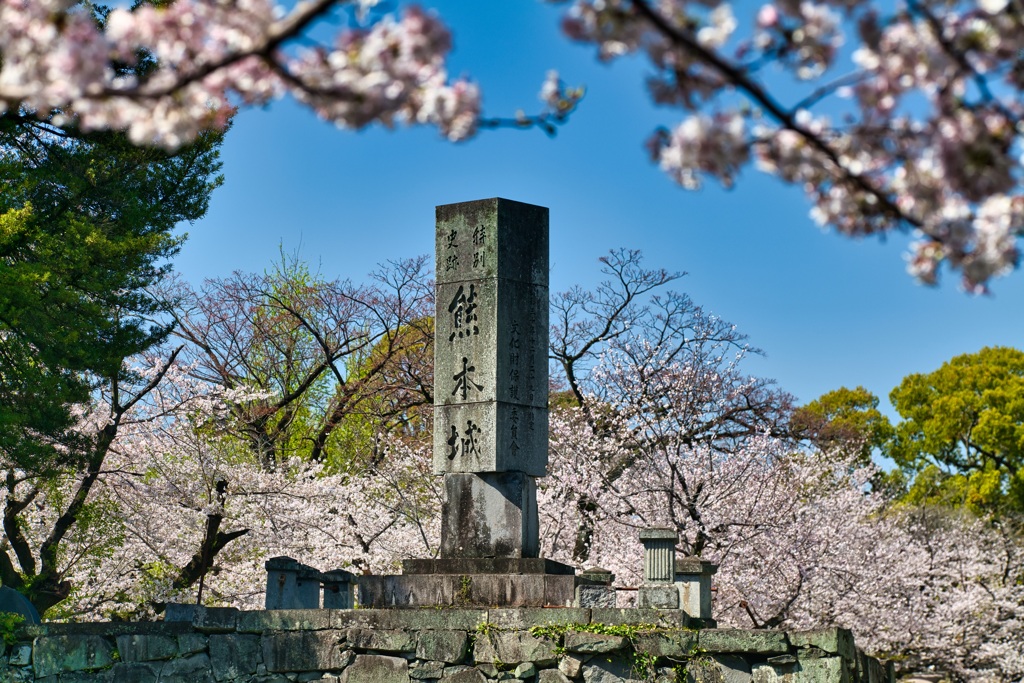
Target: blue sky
point(828, 311)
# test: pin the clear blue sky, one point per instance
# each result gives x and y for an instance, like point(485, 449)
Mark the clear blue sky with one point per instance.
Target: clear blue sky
point(828, 311)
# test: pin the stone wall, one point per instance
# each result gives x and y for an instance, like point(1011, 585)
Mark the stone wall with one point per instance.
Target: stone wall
point(447, 645)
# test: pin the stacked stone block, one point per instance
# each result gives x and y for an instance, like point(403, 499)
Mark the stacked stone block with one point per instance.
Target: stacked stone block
point(490, 375)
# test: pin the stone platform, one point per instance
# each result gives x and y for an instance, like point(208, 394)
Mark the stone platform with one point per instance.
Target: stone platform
point(472, 582)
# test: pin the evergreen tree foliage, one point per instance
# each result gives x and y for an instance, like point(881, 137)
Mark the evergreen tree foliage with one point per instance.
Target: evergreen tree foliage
point(87, 224)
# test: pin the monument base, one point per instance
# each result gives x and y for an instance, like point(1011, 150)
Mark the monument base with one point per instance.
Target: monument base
point(472, 582)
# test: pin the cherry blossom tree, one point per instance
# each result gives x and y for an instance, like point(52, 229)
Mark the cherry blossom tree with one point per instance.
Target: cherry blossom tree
point(167, 70)
point(919, 129)
point(679, 355)
point(177, 508)
point(903, 117)
point(800, 539)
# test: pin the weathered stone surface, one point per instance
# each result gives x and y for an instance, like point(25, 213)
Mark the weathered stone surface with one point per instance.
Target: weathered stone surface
point(427, 670)
point(718, 669)
point(303, 650)
point(525, 670)
point(179, 612)
point(291, 584)
point(695, 595)
point(136, 672)
point(191, 643)
point(552, 676)
point(284, 620)
point(414, 619)
point(194, 669)
point(234, 655)
point(518, 252)
point(393, 640)
point(672, 618)
point(570, 666)
point(376, 669)
point(104, 676)
point(659, 554)
point(526, 618)
point(21, 655)
point(870, 670)
point(836, 641)
point(491, 670)
point(489, 515)
point(502, 435)
point(422, 590)
point(658, 596)
point(675, 644)
point(513, 647)
point(665, 674)
point(463, 675)
point(443, 646)
point(824, 670)
point(595, 596)
point(485, 565)
point(140, 648)
point(215, 619)
point(590, 643)
point(741, 641)
point(14, 674)
point(600, 670)
point(58, 654)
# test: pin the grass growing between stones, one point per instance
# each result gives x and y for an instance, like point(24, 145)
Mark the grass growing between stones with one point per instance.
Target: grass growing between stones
point(628, 631)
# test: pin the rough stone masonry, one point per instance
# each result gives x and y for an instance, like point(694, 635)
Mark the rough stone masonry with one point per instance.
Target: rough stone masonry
point(490, 375)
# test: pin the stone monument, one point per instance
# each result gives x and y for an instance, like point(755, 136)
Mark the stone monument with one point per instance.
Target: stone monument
point(491, 416)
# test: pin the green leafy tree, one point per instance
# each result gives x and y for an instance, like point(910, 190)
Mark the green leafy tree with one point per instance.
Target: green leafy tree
point(86, 226)
point(847, 419)
point(333, 363)
point(962, 434)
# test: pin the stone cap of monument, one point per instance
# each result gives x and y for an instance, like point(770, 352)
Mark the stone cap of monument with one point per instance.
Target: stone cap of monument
point(695, 565)
point(521, 254)
point(659, 534)
point(597, 575)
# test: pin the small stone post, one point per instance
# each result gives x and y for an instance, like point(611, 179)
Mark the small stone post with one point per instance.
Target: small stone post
point(339, 587)
point(693, 578)
point(595, 588)
point(658, 590)
point(291, 584)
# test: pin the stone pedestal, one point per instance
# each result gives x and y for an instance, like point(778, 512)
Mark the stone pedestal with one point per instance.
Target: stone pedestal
point(693, 578)
point(659, 591)
point(489, 515)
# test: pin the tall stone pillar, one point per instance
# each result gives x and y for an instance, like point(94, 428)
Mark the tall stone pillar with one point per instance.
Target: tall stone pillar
point(490, 375)
point(490, 417)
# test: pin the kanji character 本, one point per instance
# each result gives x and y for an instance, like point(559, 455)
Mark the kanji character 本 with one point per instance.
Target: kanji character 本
point(463, 380)
point(463, 309)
